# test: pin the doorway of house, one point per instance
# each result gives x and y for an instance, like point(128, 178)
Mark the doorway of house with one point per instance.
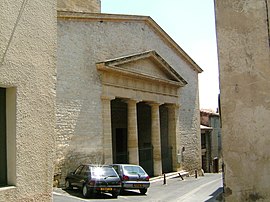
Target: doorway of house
point(119, 130)
point(144, 137)
point(121, 145)
point(166, 149)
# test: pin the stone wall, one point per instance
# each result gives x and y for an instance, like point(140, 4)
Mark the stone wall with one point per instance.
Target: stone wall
point(90, 6)
point(28, 72)
point(83, 43)
point(244, 61)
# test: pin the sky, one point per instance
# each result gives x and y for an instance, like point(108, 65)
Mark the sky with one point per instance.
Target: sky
point(191, 24)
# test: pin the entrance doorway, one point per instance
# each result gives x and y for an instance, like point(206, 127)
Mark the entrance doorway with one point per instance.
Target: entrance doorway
point(121, 153)
point(3, 138)
point(144, 137)
point(119, 131)
point(166, 149)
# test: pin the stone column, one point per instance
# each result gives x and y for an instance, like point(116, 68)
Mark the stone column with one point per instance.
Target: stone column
point(172, 132)
point(133, 151)
point(107, 130)
point(155, 138)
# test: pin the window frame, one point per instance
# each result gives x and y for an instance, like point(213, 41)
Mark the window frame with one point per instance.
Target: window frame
point(10, 133)
point(3, 139)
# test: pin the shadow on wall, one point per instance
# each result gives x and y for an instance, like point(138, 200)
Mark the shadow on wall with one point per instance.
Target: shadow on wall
point(71, 162)
point(73, 148)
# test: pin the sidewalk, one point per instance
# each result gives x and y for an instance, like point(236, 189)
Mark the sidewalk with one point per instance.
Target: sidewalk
point(183, 173)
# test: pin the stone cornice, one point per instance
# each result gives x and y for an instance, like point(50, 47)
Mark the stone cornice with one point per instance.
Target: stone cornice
point(64, 15)
point(111, 65)
point(131, 74)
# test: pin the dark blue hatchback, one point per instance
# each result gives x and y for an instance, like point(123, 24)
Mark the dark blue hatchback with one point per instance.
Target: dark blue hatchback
point(93, 179)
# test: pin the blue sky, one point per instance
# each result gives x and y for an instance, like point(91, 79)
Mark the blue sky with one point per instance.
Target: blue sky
point(191, 23)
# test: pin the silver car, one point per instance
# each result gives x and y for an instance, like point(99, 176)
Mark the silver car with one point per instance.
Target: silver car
point(132, 177)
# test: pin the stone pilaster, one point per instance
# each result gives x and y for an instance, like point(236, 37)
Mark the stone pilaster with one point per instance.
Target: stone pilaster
point(156, 140)
point(107, 130)
point(133, 151)
point(173, 117)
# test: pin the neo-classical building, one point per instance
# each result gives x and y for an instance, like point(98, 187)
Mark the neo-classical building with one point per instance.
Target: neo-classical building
point(244, 65)
point(27, 100)
point(126, 93)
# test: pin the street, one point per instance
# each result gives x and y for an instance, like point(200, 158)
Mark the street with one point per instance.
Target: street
point(190, 189)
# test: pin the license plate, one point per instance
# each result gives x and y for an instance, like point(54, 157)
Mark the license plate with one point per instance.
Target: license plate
point(137, 185)
point(106, 189)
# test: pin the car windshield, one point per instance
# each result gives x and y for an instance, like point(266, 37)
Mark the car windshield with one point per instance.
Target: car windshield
point(134, 170)
point(103, 172)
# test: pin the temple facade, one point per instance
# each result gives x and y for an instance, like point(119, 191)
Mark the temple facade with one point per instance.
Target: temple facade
point(126, 93)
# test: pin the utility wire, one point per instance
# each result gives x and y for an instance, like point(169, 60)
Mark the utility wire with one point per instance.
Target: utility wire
point(24, 3)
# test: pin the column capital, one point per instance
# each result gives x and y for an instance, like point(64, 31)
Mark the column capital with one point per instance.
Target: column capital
point(107, 97)
point(153, 104)
point(173, 106)
point(131, 100)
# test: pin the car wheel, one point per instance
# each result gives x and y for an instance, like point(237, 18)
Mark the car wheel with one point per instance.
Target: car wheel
point(143, 191)
point(85, 191)
point(115, 194)
point(68, 185)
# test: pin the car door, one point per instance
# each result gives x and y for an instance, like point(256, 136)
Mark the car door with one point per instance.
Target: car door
point(76, 177)
point(117, 168)
point(84, 176)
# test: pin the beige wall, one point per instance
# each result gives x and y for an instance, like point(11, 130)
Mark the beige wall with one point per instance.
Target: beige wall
point(91, 6)
point(28, 71)
point(244, 61)
point(83, 43)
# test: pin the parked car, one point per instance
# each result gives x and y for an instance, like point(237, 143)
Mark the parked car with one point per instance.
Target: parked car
point(132, 177)
point(94, 179)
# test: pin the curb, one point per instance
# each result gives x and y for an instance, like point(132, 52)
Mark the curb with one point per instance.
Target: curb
point(170, 175)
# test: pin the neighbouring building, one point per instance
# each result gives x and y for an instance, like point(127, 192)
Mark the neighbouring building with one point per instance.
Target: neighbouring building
point(126, 93)
point(27, 99)
point(210, 141)
point(244, 65)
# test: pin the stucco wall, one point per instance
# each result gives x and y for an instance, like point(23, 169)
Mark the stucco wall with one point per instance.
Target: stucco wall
point(80, 45)
point(244, 60)
point(28, 71)
point(91, 6)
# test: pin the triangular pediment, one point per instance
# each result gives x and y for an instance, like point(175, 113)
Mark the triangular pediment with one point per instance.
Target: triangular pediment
point(119, 18)
point(147, 65)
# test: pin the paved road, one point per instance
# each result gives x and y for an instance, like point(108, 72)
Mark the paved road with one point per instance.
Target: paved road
point(188, 190)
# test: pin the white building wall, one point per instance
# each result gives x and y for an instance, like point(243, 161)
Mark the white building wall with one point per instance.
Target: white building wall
point(244, 61)
point(28, 71)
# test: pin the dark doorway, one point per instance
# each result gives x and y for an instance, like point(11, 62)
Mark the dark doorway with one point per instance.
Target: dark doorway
point(119, 131)
point(206, 151)
point(166, 149)
point(3, 140)
point(121, 145)
point(144, 137)
point(215, 165)
point(203, 148)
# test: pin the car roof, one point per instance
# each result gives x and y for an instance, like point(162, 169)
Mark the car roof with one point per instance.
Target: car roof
point(125, 164)
point(95, 165)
